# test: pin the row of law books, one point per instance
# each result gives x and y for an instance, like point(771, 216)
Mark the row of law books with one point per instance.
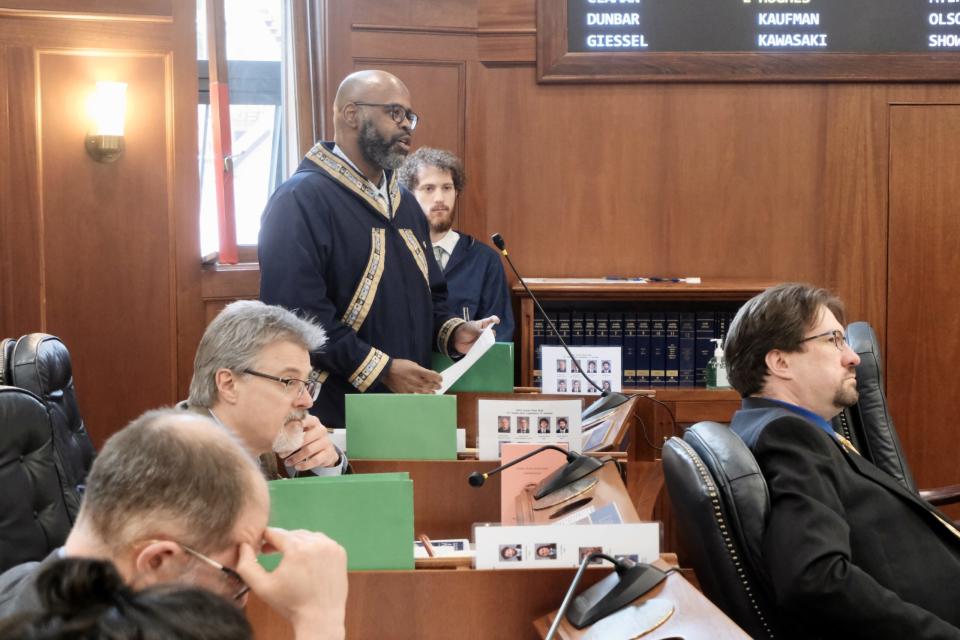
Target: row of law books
point(659, 348)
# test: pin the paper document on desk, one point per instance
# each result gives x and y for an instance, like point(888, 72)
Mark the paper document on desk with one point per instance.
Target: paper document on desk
point(460, 367)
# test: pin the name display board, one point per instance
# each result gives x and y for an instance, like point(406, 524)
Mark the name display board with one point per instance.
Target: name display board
point(849, 26)
point(752, 40)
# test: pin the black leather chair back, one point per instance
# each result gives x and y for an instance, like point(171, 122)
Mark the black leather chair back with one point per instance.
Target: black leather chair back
point(720, 502)
point(868, 423)
point(41, 364)
point(33, 515)
point(6, 354)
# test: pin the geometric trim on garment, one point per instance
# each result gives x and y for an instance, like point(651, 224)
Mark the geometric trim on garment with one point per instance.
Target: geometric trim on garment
point(341, 171)
point(443, 336)
point(366, 292)
point(369, 369)
point(418, 253)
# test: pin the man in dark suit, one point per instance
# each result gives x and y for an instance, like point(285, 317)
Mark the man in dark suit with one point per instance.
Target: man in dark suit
point(848, 551)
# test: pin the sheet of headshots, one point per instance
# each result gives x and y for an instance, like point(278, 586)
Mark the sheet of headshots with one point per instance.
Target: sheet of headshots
point(526, 421)
point(563, 374)
point(552, 546)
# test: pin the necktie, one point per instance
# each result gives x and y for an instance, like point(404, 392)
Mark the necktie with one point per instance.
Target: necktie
point(441, 255)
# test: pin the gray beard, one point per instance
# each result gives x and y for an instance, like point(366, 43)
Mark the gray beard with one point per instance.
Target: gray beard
point(378, 150)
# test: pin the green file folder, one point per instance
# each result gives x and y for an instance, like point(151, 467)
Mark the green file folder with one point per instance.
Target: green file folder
point(370, 515)
point(493, 372)
point(401, 426)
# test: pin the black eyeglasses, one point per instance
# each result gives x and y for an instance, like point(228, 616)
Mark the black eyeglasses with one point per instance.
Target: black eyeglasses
point(836, 337)
point(293, 386)
point(397, 112)
point(238, 587)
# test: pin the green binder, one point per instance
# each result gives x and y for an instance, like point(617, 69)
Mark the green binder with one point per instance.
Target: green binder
point(370, 514)
point(493, 372)
point(397, 426)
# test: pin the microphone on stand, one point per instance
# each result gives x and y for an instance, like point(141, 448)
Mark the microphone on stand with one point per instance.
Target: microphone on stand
point(578, 466)
point(629, 582)
point(608, 399)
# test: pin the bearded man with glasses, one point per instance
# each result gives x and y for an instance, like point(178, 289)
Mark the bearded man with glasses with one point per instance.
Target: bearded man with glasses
point(847, 550)
point(343, 242)
point(252, 374)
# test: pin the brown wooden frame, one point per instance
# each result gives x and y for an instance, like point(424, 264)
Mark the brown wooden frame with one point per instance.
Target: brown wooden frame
point(556, 64)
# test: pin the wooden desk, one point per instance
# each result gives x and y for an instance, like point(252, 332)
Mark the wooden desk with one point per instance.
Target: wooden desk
point(694, 615)
point(423, 604)
point(444, 504)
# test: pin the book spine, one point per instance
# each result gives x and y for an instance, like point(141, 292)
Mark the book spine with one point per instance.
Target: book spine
point(658, 349)
point(603, 329)
point(576, 329)
point(688, 343)
point(630, 349)
point(589, 328)
point(706, 328)
point(643, 350)
point(539, 325)
point(615, 337)
point(671, 374)
point(563, 326)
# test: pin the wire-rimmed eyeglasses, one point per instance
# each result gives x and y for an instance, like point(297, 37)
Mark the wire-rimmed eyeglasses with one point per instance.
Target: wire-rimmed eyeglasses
point(291, 385)
point(238, 588)
point(836, 337)
point(397, 112)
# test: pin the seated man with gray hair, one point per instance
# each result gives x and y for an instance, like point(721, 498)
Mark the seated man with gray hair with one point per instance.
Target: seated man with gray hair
point(175, 498)
point(252, 374)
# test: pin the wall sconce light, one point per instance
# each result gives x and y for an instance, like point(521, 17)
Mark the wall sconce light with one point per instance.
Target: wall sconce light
point(104, 142)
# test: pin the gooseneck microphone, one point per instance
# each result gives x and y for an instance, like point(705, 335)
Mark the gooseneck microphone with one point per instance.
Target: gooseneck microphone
point(578, 466)
point(629, 582)
point(608, 400)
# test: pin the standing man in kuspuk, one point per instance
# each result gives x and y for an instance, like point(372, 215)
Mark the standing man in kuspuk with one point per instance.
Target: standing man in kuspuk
point(342, 242)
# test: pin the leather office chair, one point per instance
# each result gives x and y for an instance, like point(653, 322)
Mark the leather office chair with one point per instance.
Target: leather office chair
point(40, 363)
point(868, 424)
point(33, 514)
point(720, 502)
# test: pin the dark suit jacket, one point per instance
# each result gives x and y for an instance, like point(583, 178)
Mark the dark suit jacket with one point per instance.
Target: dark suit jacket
point(17, 593)
point(848, 551)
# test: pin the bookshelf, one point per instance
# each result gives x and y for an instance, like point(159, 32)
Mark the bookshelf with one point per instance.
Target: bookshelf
point(598, 293)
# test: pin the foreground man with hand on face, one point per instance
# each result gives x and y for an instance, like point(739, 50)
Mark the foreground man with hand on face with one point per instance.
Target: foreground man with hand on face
point(848, 551)
point(252, 374)
point(175, 498)
point(343, 242)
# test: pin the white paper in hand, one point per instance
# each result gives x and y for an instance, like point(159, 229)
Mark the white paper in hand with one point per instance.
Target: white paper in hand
point(453, 373)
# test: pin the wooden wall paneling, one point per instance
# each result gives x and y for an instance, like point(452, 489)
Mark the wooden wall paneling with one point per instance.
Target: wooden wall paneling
point(21, 279)
point(923, 346)
point(184, 190)
point(507, 31)
point(854, 200)
point(338, 60)
point(420, 13)
point(97, 9)
point(108, 247)
point(656, 179)
point(506, 14)
point(472, 210)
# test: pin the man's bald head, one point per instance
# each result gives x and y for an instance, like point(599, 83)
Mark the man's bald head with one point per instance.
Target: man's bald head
point(370, 85)
point(373, 121)
point(170, 473)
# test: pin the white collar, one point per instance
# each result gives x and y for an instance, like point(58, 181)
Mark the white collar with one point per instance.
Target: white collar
point(448, 242)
